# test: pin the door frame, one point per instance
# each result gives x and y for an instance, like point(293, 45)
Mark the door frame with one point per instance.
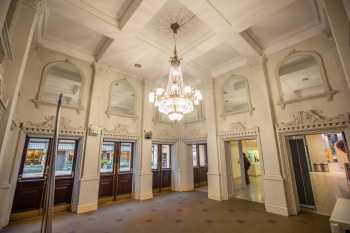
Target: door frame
point(198, 163)
point(16, 165)
point(287, 163)
point(135, 157)
point(172, 145)
point(228, 160)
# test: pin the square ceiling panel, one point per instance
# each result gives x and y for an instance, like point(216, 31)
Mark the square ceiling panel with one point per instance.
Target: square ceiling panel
point(292, 19)
point(63, 29)
point(217, 56)
point(112, 8)
point(191, 32)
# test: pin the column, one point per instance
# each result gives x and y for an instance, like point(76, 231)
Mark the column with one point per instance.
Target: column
point(339, 24)
point(274, 187)
point(26, 15)
point(143, 182)
point(86, 198)
point(184, 167)
point(217, 188)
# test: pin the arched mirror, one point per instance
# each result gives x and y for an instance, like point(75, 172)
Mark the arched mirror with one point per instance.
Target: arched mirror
point(236, 96)
point(301, 75)
point(122, 99)
point(61, 77)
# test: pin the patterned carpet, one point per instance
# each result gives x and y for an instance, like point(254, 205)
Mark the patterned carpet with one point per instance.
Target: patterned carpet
point(179, 212)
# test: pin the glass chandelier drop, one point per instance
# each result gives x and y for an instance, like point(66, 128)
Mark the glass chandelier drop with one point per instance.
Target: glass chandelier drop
point(176, 99)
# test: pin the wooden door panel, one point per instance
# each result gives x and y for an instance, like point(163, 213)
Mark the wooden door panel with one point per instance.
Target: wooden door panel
point(196, 178)
point(28, 196)
point(124, 183)
point(155, 179)
point(106, 185)
point(166, 178)
point(63, 190)
point(203, 174)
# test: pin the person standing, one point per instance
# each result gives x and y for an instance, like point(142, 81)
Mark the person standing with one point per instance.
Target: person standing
point(246, 168)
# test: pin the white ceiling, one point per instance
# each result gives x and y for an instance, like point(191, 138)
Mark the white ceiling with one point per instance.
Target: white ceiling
point(216, 37)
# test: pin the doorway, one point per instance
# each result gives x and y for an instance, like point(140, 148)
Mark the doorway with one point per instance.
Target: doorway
point(32, 176)
point(161, 167)
point(321, 169)
point(246, 174)
point(116, 170)
point(200, 166)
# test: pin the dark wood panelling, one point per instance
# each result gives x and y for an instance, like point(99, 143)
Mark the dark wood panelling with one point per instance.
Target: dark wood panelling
point(166, 178)
point(124, 183)
point(106, 185)
point(155, 179)
point(63, 190)
point(28, 195)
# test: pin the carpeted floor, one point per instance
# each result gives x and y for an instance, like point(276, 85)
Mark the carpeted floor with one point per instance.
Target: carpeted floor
point(179, 212)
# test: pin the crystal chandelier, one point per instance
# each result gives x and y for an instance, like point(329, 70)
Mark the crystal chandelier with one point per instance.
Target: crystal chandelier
point(176, 99)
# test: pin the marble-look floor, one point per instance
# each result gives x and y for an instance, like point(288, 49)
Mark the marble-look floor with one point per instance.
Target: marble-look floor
point(327, 187)
point(252, 192)
point(179, 212)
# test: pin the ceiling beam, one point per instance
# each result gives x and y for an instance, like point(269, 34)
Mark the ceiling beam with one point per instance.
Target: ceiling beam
point(82, 13)
point(138, 14)
point(105, 45)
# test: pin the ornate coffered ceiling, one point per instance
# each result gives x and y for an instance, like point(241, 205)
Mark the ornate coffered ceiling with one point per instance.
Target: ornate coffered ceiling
point(217, 35)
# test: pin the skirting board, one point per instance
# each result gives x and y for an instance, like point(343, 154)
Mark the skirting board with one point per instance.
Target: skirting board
point(280, 210)
point(84, 208)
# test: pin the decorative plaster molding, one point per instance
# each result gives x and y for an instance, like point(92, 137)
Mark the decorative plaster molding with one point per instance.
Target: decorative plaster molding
point(239, 129)
point(328, 91)
point(120, 131)
point(47, 127)
point(37, 5)
point(313, 120)
point(195, 136)
point(163, 134)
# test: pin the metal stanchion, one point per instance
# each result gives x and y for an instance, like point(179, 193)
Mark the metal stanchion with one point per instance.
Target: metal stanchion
point(48, 208)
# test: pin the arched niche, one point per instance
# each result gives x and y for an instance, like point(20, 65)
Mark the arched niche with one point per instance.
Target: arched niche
point(301, 75)
point(60, 77)
point(236, 96)
point(122, 99)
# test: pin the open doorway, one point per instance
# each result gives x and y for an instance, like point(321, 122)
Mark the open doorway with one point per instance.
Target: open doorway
point(321, 170)
point(246, 174)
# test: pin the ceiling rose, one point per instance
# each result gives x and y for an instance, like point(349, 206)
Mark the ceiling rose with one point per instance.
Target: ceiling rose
point(176, 99)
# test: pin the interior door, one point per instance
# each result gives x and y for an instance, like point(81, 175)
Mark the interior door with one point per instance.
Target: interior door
point(200, 164)
point(32, 176)
point(161, 167)
point(301, 168)
point(116, 169)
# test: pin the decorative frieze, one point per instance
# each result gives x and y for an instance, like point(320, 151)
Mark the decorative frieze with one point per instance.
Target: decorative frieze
point(239, 129)
point(120, 131)
point(313, 120)
point(195, 135)
point(47, 127)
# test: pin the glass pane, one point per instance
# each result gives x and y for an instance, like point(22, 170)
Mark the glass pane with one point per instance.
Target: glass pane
point(301, 77)
point(65, 157)
point(194, 155)
point(64, 78)
point(35, 158)
point(125, 157)
point(202, 156)
point(236, 95)
point(165, 156)
point(154, 156)
point(107, 156)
